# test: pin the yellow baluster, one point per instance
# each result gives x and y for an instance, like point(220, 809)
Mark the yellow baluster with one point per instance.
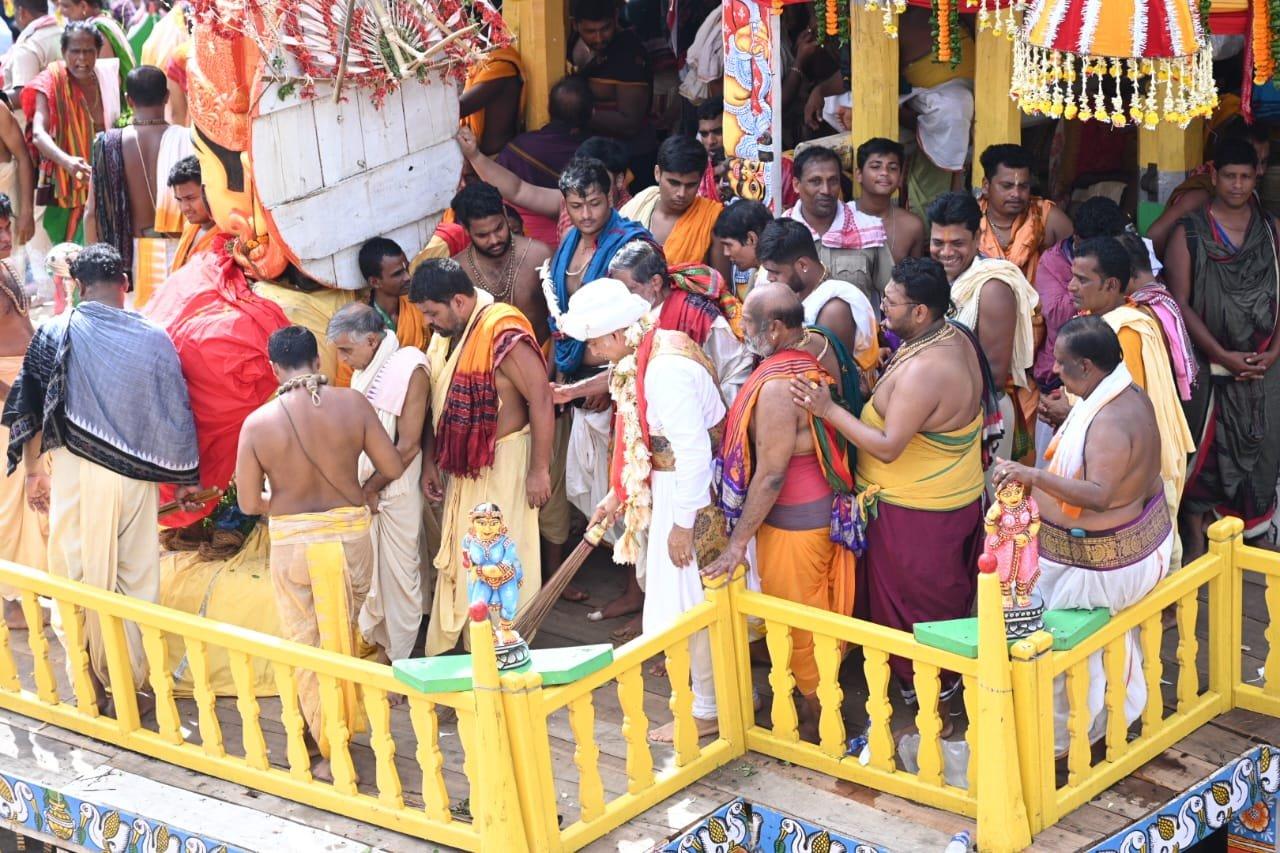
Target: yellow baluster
point(879, 709)
point(255, 746)
point(294, 725)
point(333, 717)
point(586, 755)
point(9, 681)
point(685, 733)
point(778, 639)
point(1079, 759)
point(1225, 624)
point(426, 728)
point(635, 730)
point(78, 658)
point(206, 702)
point(42, 669)
point(524, 707)
point(1114, 662)
point(1033, 723)
point(971, 731)
point(168, 723)
point(124, 695)
point(730, 661)
point(1188, 648)
point(826, 653)
point(928, 723)
point(470, 749)
point(378, 710)
point(1149, 637)
point(1270, 667)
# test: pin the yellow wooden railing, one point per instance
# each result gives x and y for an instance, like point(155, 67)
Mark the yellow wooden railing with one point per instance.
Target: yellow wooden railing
point(1015, 784)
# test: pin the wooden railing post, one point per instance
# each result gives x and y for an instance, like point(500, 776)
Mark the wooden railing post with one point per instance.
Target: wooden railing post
point(1002, 816)
point(1033, 720)
point(531, 757)
point(730, 663)
point(1226, 611)
point(495, 802)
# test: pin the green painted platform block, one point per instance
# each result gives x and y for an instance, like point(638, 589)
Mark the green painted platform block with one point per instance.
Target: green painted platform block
point(1068, 627)
point(452, 673)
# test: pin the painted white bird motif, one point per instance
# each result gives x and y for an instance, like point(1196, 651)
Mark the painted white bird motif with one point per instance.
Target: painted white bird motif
point(197, 845)
point(1135, 842)
point(160, 841)
point(102, 830)
point(736, 831)
point(14, 799)
point(819, 842)
point(1268, 769)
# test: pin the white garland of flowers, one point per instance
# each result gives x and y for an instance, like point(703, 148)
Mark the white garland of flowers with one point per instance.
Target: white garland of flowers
point(637, 508)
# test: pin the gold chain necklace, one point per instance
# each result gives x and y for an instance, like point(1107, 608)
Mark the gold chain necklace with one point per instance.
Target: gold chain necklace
point(506, 279)
point(910, 350)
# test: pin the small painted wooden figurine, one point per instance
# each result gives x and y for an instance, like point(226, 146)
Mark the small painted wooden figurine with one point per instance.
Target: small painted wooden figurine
point(1012, 525)
point(494, 573)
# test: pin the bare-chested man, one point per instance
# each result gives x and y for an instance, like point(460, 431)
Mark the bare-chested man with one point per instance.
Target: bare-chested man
point(490, 434)
point(775, 485)
point(307, 443)
point(880, 172)
point(497, 261)
point(919, 443)
point(129, 205)
point(1106, 535)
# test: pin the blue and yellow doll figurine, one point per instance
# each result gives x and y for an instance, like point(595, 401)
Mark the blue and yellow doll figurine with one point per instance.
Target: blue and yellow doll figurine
point(494, 578)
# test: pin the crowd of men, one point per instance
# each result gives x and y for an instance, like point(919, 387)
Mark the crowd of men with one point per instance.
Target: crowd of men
point(829, 396)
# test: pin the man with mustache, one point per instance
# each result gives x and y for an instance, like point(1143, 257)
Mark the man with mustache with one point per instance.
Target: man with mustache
point(786, 477)
point(1016, 225)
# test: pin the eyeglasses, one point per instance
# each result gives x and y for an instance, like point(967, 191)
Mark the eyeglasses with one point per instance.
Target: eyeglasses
point(885, 303)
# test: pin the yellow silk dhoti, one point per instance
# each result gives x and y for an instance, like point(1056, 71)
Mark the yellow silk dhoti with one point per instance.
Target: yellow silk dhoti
point(103, 532)
point(504, 484)
point(319, 593)
point(23, 531)
point(806, 567)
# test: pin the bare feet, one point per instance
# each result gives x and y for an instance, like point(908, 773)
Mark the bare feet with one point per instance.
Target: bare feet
point(572, 593)
point(628, 632)
point(624, 605)
point(322, 771)
point(809, 711)
point(666, 733)
point(658, 669)
point(14, 618)
point(395, 700)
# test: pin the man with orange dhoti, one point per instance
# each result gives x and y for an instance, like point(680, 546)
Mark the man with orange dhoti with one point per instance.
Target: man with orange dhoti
point(919, 463)
point(23, 527)
point(1016, 226)
point(668, 403)
point(199, 231)
point(679, 219)
point(785, 479)
point(491, 429)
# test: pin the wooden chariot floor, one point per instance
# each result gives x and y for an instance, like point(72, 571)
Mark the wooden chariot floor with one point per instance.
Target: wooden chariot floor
point(55, 756)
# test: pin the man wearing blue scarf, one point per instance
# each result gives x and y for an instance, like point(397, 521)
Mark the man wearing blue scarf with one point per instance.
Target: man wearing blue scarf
point(580, 467)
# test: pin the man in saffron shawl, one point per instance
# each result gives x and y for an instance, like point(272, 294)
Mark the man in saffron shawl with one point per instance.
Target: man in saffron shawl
point(995, 301)
point(1016, 226)
point(1105, 534)
point(919, 463)
point(1100, 274)
point(102, 391)
point(1222, 269)
point(490, 434)
point(785, 479)
point(679, 219)
point(306, 443)
point(66, 105)
point(199, 231)
point(668, 403)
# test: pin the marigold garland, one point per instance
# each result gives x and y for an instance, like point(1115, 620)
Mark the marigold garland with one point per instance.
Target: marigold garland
point(637, 465)
point(1263, 40)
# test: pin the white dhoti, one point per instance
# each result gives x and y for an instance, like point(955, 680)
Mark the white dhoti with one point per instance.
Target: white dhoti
point(392, 611)
point(103, 532)
point(670, 590)
point(586, 470)
point(1066, 586)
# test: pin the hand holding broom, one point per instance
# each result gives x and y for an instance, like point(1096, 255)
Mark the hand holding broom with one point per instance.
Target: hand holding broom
point(527, 623)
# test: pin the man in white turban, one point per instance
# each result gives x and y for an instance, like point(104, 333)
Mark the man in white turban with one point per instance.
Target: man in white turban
point(668, 404)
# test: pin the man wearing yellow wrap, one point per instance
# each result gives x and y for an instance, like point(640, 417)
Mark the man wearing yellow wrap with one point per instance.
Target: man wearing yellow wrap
point(919, 462)
point(490, 434)
point(307, 443)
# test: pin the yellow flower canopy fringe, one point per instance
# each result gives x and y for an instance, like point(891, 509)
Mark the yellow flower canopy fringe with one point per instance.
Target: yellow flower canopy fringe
point(1118, 61)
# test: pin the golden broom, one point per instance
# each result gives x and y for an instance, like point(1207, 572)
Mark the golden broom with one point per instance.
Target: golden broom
point(527, 623)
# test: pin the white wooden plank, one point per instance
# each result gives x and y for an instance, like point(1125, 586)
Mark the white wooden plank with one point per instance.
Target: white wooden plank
point(430, 113)
point(339, 133)
point(374, 203)
point(321, 269)
point(286, 154)
point(383, 129)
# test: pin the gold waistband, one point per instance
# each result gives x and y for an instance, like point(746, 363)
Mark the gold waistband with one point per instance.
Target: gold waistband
point(1106, 550)
point(663, 458)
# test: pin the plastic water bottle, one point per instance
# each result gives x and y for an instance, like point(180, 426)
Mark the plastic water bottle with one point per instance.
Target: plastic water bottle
point(961, 842)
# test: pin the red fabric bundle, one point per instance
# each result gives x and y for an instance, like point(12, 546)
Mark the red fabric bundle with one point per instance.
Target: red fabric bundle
point(220, 329)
